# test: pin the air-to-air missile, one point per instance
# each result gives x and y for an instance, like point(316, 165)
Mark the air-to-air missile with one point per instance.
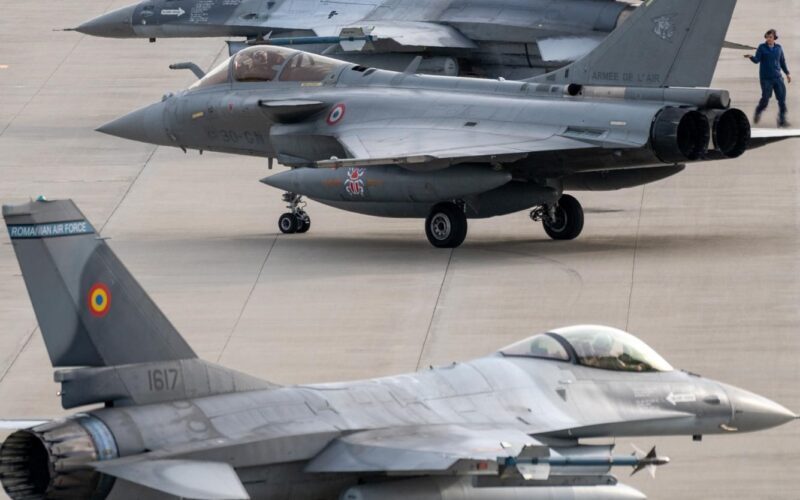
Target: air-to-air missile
point(157, 420)
point(397, 144)
point(508, 38)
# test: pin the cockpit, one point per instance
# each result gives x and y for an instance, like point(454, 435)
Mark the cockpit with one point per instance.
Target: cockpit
point(600, 347)
point(267, 63)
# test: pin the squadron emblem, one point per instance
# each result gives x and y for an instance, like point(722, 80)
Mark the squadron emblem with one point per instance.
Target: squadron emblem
point(354, 184)
point(664, 27)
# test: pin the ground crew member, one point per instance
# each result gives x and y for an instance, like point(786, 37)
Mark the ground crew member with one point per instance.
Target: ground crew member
point(770, 57)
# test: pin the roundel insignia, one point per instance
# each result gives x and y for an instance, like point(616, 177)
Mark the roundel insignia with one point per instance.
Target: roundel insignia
point(336, 114)
point(99, 300)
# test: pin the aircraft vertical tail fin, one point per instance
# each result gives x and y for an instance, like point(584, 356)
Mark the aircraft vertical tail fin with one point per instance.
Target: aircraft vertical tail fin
point(665, 43)
point(90, 310)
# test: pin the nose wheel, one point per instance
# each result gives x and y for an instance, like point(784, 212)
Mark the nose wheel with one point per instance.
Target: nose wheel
point(296, 220)
point(446, 225)
point(562, 221)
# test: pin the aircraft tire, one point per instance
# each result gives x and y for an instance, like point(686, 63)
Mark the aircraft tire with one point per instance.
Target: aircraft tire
point(569, 220)
point(303, 222)
point(446, 226)
point(288, 223)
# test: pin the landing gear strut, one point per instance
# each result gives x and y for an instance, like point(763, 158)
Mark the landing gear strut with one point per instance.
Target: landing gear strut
point(296, 220)
point(446, 225)
point(561, 221)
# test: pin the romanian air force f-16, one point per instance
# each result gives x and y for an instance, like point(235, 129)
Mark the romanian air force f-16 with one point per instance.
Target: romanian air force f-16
point(508, 38)
point(397, 144)
point(162, 423)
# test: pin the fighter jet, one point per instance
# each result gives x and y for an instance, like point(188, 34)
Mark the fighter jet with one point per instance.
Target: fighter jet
point(508, 38)
point(162, 423)
point(633, 111)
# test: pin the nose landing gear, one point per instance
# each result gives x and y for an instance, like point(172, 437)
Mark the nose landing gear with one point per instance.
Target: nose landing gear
point(562, 221)
point(296, 220)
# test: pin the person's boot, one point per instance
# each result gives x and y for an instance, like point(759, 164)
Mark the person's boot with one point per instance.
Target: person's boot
point(756, 118)
point(782, 123)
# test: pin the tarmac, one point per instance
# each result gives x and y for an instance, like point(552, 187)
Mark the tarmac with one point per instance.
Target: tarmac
point(703, 266)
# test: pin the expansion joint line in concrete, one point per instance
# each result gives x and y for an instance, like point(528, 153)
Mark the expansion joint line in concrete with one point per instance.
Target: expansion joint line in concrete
point(44, 84)
point(633, 260)
point(21, 347)
point(247, 299)
point(435, 308)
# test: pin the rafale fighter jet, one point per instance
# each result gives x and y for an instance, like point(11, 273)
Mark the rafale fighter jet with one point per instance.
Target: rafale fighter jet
point(165, 423)
point(403, 145)
point(508, 38)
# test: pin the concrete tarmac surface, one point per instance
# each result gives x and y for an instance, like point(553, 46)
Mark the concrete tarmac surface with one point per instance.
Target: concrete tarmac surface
point(704, 266)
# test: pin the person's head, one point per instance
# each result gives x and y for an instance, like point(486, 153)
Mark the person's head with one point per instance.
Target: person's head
point(771, 36)
point(602, 344)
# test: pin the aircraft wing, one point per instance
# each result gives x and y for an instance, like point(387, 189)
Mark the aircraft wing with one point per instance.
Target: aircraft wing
point(406, 34)
point(181, 478)
point(420, 448)
point(406, 144)
point(762, 136)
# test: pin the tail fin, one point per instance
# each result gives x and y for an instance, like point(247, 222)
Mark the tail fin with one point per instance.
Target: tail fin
point(91, 311)
point(665, 43)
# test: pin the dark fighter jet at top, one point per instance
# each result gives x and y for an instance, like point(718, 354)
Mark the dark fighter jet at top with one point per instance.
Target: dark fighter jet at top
point(396, 144)
point(508, 38)
point(162, 423)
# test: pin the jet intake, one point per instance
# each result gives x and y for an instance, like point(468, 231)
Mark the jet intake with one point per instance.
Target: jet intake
point(680, 135)
point(731, 132)
point(50, 461)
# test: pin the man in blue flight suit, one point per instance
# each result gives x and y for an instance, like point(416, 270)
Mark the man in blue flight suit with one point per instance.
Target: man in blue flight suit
point(770, 56)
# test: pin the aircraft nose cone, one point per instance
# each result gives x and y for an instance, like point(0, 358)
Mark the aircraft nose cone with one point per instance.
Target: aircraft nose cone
point(115, 24)
point(285, 181)
point(752, 412)
point(143, 125)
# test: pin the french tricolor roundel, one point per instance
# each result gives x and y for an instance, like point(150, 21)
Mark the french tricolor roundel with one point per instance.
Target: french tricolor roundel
point(336, 114)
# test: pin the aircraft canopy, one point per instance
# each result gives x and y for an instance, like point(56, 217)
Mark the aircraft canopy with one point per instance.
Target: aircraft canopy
point(267, 63)
point(592, 346)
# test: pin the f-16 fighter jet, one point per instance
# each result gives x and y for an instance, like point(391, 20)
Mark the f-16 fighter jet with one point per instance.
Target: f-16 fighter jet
point(508, 38)
point(393, 144)
point(163, 422)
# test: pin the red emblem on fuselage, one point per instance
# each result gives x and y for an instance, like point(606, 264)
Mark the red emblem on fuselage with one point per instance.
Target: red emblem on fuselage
point(354, 184)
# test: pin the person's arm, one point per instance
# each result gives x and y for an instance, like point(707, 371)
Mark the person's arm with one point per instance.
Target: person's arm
point(785, 68)
point(756, 58)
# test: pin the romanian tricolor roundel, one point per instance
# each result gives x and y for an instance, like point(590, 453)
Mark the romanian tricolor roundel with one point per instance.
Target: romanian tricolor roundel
point(99, 300)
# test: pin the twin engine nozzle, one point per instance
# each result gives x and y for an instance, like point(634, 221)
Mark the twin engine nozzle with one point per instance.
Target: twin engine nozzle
point(680, 134)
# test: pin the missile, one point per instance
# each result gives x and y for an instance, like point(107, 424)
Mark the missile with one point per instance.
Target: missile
point(532, 466)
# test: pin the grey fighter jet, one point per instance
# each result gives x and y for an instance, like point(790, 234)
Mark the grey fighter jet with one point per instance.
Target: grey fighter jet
point(163, 423)
point(633, 111)
point(508, 38)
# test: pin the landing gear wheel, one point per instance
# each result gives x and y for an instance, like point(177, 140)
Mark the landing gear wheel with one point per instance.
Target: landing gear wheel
point(446, 225)
point(297, 220)
point(288, 223)
point(303, 221)
point(564, 220)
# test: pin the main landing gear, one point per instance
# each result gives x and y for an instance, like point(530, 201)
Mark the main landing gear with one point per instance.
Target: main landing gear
point(296, 220)
point(562, 221)
point(446, 225)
